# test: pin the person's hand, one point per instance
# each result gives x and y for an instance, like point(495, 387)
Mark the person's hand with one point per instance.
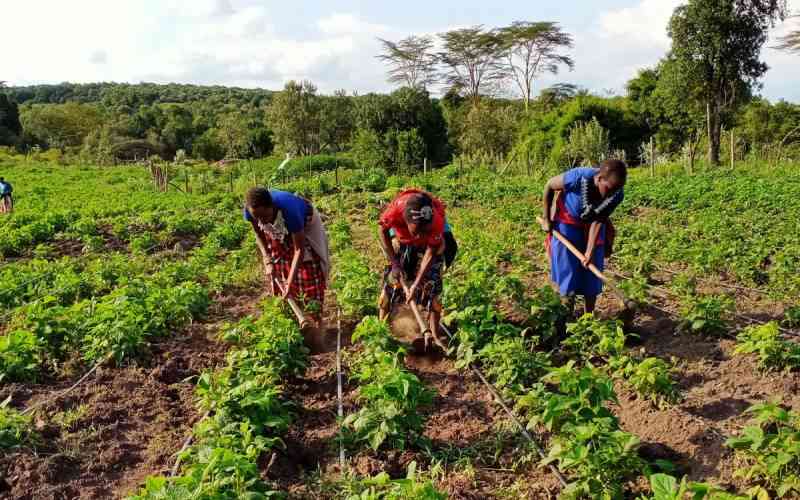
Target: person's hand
point(410, 293)
point(586, 260)
point(547, 225)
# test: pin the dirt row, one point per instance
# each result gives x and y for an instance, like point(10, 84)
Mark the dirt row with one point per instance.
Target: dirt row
point(126, 423)
point(120, 425)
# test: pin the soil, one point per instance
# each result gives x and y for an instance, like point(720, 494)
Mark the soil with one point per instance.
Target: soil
point(463, 424)
point(122, 424)
point(716, 386)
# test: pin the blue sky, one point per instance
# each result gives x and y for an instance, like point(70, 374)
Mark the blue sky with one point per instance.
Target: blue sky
point(257, 43)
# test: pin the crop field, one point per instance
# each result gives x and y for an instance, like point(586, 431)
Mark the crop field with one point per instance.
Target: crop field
point(140, 357)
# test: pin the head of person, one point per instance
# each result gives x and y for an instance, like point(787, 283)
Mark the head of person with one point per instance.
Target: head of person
point(259, 204)
point(611, 176)
point(418, 214)
point(2, 180)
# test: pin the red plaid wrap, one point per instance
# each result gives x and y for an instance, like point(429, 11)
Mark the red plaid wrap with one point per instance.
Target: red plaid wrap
point(309, 283)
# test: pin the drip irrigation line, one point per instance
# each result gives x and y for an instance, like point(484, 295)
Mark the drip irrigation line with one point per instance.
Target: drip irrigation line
point(69, 389)
point(340, 409)
point(511, 414)
point(32, 280)
point(186, 443)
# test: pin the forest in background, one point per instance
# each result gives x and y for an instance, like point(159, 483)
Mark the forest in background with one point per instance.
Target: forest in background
point(700, 100)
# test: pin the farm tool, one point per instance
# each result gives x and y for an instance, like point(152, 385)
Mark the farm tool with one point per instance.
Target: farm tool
point(401, 289)
point(315, 338)
point(629, 305)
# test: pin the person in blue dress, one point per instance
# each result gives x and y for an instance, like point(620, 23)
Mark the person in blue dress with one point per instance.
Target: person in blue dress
point(584, 200)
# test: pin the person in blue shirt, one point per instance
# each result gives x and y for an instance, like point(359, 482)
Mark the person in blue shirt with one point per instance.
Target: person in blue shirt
point(6, 196)
point(586, 198)
point(293, 244)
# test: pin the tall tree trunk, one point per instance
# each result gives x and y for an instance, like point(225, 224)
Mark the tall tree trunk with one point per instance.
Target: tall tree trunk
point(714, 132)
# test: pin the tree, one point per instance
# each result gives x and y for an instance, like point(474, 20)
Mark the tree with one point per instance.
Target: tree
point(336, 121)
point(234, 135)
point(471, 57)
point(10, 126)
point(60, 125)
point(294, 117)
point(488, 129)
point(716, 44)
point(410, 60)
point(532, 49)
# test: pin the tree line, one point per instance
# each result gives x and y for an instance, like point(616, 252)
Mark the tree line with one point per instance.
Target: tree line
point(490, 107)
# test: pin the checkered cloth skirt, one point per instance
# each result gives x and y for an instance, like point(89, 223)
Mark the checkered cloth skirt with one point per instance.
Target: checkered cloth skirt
point(309, 284)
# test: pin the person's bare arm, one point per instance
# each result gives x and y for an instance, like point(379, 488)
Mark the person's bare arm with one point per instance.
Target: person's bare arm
point(554, 184)
point(427, 259)
point(266, 259)
point(298, 241)
point(594, 230)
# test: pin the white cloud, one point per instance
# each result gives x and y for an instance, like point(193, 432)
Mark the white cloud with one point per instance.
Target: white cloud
point(644, 23)
point(251, 43)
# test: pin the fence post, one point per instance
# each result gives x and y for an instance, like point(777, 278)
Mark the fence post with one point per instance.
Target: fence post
point(733, 150)
point(425, 166)
point(230, 180)
point(652, 157)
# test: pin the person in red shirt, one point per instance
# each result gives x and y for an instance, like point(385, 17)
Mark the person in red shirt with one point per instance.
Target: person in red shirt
point(423, 246)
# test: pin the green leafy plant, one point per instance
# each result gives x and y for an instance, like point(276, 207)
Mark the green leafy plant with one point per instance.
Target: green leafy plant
point(666, 487)
point(649, 377)
point(773, 352)
point(382, 487)
point(771, 450)
point(20, 355)
point(15, 429)
point(707, 315)
point(389, 394)
point(589, 338)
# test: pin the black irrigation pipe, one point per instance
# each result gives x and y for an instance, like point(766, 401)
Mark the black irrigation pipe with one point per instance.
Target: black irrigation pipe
point(186, 443)
point(493, 391)
point(69, 389)
point(340, 409)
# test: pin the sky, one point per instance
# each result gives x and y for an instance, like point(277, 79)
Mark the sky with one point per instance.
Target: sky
point(264, 43)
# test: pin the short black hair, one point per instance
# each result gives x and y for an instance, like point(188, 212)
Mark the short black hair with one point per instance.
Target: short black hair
point(419, 208)
point(616, 169)
point(258, 197)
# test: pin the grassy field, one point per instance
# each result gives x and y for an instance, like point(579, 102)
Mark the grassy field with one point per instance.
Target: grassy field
point(155, 298)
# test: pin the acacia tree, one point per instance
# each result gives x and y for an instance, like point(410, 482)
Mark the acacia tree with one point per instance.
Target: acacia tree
point(717, 46)
point(532, 49)
point(410, 60)
point(471, 58)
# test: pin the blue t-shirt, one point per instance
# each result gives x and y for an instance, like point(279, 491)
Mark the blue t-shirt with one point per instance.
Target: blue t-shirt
point(5, 188)
point(578, 183)
point(294, 209)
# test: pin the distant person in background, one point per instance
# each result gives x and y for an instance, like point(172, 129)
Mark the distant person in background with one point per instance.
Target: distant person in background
point(586, 198)
point(293, 244)
point(6, 196)
point(425, 245)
